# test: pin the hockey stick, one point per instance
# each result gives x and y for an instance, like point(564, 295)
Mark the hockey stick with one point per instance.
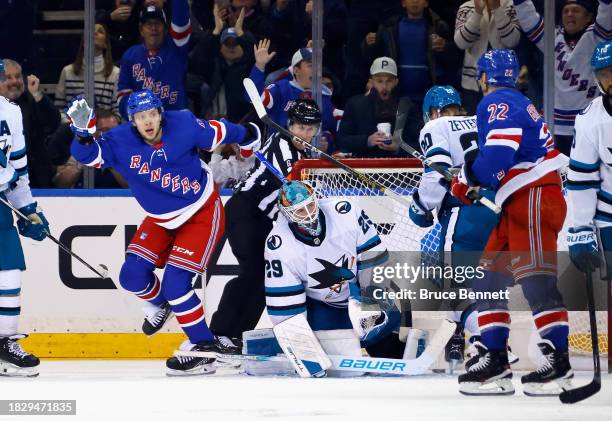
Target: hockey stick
point(400, 122)
point(103, 273)
point(263, 116)
point(580, 393)
point(413, 367)
point(270, 167)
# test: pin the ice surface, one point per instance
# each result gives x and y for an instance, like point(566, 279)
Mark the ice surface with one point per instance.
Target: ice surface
point(139, 390)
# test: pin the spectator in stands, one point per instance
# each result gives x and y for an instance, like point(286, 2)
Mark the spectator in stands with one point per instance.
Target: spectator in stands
point(160, 62)
point(223, 58)
point(278, 96)
point(481, 25)
point(69, 171)
point(40, 118)
point(292, 20)
point(359, 134)
point(421, 44)
point(106, 75)
point(228, 166)
point(575, 83)
point(364, 16)
point(256, 21)
point(122, 18)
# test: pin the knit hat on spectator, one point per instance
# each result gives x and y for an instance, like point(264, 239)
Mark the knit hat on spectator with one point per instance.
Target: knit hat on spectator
point(383, 65)
point(589, 5)
point(152, 12)
point(301, 55)
point(228, 33)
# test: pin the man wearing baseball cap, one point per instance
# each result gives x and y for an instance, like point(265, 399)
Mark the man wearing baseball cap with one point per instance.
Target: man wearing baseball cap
point(278, 96)
point(575, 83)
point(368, 121)
point(159, 63)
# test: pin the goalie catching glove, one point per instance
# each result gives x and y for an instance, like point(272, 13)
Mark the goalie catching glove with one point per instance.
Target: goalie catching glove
point(583, 249)
point(82, 119)
point(371, 325)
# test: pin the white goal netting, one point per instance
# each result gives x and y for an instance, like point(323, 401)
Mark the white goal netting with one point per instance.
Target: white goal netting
point(390, 216)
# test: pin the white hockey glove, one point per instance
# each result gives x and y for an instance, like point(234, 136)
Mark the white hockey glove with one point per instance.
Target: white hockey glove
point(251, 141)
point(82, 118)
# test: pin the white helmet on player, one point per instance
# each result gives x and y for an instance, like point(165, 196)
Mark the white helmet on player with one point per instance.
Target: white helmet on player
point(298, 202)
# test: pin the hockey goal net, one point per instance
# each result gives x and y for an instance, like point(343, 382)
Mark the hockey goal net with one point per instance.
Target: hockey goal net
point(390, 216)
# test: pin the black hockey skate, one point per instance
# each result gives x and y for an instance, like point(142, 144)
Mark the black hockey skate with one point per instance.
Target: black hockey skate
point(455, 347)
point(477, 349)
point(157, 319)
point(14, 361)
point(227, 346)
point(490, 375)
point(553, 377)
point(192, 366)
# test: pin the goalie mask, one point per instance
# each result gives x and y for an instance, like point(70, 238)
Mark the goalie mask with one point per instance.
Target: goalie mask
point(298, 202)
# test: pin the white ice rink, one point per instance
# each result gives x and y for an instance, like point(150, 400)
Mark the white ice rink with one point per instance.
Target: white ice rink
point(139, 390)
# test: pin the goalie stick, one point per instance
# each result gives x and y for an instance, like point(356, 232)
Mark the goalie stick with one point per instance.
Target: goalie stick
point(400, 122)
point(580, 393)
point(102, 273)
point(255, 98)
point(415, 367)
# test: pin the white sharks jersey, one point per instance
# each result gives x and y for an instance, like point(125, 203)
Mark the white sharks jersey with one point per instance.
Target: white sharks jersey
point(14, 180)
point(445, 141)
point(589, 181)
point(320, 267)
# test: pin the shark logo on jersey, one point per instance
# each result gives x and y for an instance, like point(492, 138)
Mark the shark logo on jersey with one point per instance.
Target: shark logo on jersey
point(343, 207)
point(274, 242)
point(333, 275)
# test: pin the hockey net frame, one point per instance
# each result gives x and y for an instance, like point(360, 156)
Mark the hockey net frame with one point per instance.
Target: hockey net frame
point(403, 175)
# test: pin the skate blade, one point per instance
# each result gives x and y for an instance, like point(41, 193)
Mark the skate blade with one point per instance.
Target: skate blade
point(227, 363)
point(493, 388)
point(552, 388)
point(12, 370)
point(196, 371)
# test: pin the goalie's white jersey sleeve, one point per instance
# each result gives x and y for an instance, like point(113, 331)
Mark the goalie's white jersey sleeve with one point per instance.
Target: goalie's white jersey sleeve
point(589, 180)
point(14, 180)
point(319, 267)
point(445, 141)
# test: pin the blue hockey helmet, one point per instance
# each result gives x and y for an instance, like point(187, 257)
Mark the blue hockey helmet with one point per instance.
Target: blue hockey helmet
point(142, 101)
point(439, 97)
point(298, 202)
point(500, 66)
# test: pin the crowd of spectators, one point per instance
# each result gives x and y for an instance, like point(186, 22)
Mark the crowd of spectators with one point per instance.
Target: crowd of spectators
point(194, 55)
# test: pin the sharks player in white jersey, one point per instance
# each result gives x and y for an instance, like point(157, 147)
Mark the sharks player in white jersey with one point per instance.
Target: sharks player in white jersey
point(314, 257)
point(589, 181)
point(448, 138)
point(14, 188)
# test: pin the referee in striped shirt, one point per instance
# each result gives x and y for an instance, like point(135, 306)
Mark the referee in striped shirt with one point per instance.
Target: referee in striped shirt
point(249, 214)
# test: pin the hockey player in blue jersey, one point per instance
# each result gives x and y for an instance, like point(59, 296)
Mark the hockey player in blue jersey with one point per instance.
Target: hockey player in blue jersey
point(589, 181)
point(159, 63)
point(157, 154)
point(449, 138)
point(517, 160)
point(14, 188)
